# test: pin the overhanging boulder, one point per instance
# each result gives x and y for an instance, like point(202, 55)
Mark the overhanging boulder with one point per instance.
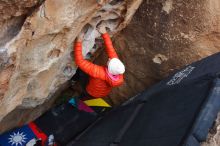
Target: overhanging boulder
point(36, 61)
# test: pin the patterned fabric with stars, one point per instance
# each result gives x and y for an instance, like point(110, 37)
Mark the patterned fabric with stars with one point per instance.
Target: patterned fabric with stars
point(17, 137)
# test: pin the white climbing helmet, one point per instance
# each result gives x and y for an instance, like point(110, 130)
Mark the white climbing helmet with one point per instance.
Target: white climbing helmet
point(115, 66)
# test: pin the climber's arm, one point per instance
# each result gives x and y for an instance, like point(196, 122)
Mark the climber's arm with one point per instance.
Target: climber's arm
point(86, 66)
point(108, 43)
point(109, 47)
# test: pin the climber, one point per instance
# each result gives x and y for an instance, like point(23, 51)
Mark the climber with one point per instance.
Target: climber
point(101, 78)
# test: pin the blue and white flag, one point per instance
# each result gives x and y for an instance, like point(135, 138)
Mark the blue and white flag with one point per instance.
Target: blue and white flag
point(17, 137)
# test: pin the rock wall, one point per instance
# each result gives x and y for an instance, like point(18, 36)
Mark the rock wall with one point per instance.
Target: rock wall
point(165, 35)
point(36, 52)
point(36, 45)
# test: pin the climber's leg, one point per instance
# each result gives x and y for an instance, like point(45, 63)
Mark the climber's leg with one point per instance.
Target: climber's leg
point(80, 76)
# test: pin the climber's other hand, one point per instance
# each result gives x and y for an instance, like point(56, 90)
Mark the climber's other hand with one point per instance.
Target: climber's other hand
point(102, 29)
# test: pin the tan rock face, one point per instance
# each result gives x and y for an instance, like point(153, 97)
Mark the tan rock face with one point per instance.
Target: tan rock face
point(13, 15)
point(36, 61)
point(163, 36)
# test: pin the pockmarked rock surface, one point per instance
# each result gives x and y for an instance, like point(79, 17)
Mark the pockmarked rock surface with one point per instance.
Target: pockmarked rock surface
point(163, 36)
point(13, 14)
point(36, 40)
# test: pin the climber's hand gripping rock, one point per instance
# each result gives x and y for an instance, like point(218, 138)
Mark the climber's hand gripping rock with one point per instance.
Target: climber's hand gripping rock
point(102, 29)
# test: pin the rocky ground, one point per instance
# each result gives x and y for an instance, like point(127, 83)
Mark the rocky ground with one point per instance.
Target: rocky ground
point(214, 134)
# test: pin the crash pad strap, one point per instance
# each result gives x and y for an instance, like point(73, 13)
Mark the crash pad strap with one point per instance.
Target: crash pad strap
point(99, 102)
point(39, 134)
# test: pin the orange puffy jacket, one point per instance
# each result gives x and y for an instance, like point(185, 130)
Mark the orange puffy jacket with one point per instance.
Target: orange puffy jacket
point(100, 84)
